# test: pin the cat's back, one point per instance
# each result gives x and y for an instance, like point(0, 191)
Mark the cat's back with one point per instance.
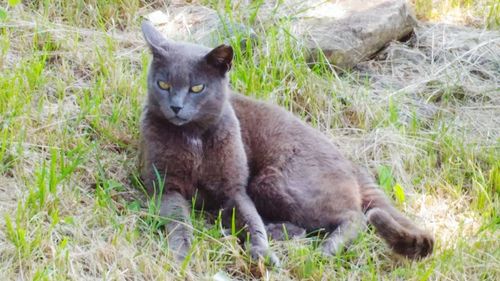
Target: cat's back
point(265, 120)
point(261, 122)
point(269, 132)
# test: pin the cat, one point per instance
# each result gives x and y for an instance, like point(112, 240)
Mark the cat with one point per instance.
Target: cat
point(191, 141)
point(233, 151)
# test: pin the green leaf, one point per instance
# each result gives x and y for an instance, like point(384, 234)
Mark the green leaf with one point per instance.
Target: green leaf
point(399, 193)
point(13, 3)
point(393, 112)
point(69, 220)
point(113, 185)
point(385, 178)
point(134, 206)
point(494, 178)
point(3, 14)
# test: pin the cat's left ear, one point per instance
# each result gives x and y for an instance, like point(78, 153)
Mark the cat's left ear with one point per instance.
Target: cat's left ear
point(155, 40)
point(221, 58)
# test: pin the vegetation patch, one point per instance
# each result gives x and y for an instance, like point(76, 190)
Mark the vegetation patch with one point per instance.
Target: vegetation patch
point(424, 115)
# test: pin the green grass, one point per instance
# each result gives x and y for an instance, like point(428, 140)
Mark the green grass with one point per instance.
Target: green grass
point(72, 86)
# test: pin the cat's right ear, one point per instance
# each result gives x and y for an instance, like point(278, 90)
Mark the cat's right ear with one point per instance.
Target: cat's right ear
point(221, 58)
point(154, 38)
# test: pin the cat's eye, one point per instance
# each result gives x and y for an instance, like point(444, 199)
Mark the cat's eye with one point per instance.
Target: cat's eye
point(197, 88)
point(164, 85)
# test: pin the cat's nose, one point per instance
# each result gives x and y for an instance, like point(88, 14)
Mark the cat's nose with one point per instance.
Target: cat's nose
point(176, 109)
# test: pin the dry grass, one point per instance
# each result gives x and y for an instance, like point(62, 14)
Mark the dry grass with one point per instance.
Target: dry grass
point(477, 13)
point(424, 114)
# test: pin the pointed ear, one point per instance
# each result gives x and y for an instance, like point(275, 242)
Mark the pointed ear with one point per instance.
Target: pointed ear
point(154, 38)
point(221, 58)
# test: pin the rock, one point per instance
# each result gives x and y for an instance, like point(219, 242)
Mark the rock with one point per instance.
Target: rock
point(345, 31)
point(197, 24)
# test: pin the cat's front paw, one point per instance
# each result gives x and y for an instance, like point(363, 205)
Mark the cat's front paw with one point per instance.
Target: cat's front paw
point(180, 245)
point(180, 253)
point(266, 254)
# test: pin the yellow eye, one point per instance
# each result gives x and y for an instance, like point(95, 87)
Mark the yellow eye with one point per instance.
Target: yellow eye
point(164, 85)
point(197, 88)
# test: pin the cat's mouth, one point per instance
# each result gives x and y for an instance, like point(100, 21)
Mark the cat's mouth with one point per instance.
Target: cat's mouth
point(178, 121)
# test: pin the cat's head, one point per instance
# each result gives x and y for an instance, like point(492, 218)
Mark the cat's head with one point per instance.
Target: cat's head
point(186, 82)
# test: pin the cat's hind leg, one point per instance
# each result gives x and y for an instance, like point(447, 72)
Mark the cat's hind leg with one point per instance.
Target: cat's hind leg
point(351, 223)
point(268, 191)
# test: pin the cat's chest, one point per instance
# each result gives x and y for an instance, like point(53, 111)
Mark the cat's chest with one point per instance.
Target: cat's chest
point(195, 146)
point(185, 157)
point(195, 158)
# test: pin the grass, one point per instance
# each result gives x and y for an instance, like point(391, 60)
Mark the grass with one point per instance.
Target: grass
point(480, 13)
point(72, 86)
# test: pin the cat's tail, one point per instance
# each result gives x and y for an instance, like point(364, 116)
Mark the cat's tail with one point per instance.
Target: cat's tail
point(402, 235)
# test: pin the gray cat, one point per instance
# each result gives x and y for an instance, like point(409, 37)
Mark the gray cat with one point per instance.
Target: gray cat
point(232, 151)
